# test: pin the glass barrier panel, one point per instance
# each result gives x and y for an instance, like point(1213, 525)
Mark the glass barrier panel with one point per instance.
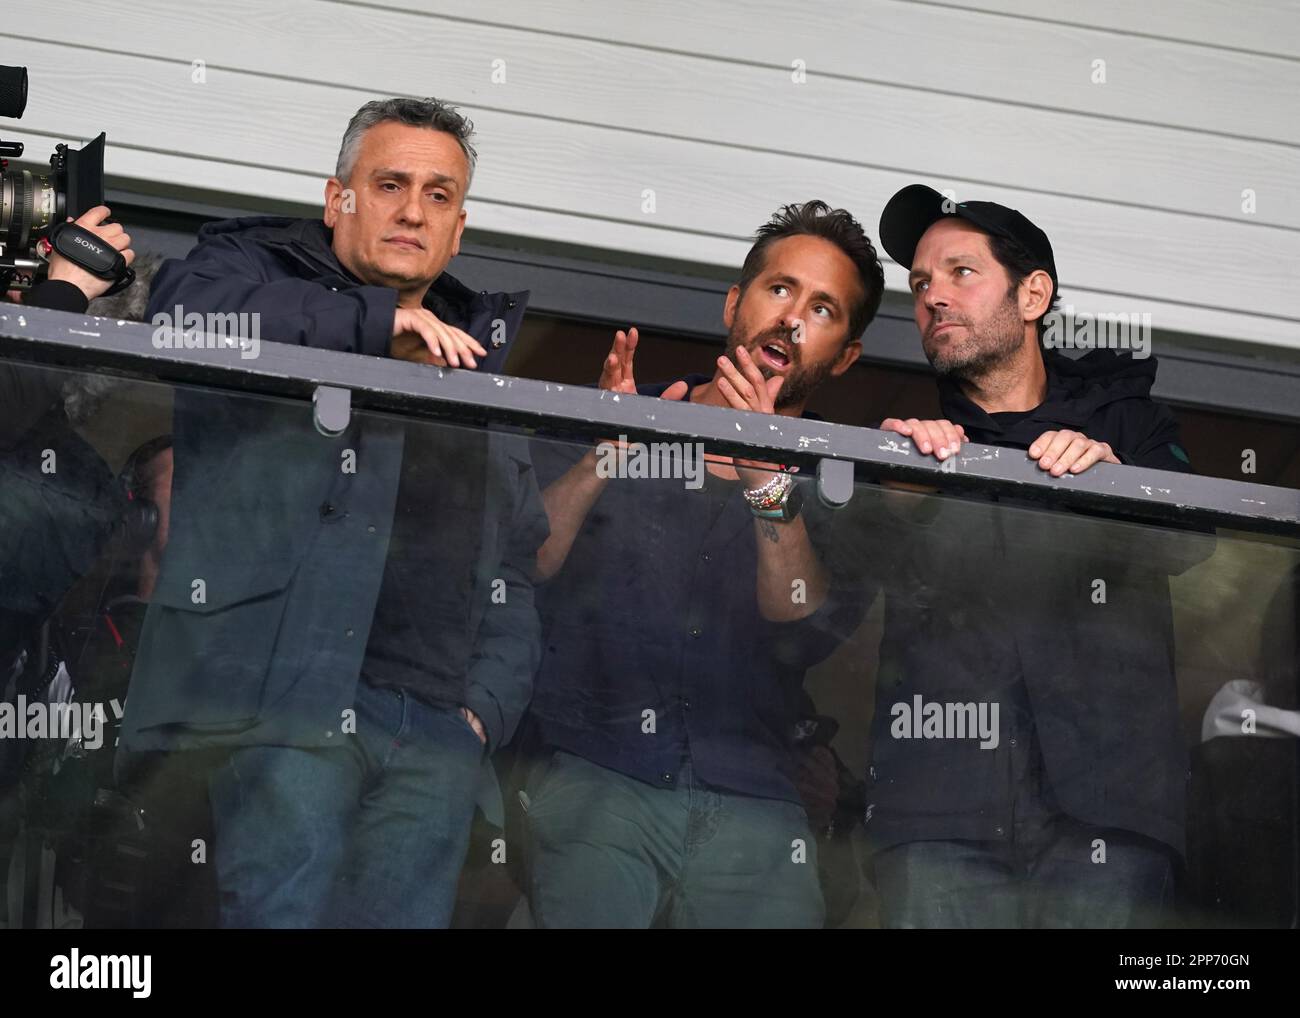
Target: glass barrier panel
point(425, 674)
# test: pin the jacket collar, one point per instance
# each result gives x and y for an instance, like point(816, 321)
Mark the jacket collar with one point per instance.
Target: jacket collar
point(309, 242)
point(1077, 389)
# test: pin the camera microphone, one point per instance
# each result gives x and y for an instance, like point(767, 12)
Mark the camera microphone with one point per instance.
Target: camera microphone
point(13, 91)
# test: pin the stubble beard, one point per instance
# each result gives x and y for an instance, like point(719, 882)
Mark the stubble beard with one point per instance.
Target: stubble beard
point(987, 346)
point(800, 380)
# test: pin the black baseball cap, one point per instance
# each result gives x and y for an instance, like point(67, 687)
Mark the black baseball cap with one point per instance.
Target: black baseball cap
point(916, 208)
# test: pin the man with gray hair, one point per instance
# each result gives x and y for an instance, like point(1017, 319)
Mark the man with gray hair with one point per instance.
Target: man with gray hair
point(368, 278)
point(366, 634)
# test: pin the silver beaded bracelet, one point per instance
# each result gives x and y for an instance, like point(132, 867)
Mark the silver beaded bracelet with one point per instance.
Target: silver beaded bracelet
point(772, 494)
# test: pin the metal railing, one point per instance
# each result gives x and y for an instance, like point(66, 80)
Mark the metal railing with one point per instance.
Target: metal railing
point(334, 383)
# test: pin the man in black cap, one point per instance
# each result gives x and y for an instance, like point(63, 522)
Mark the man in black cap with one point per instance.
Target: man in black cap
point(1068, 809)
point(983, 279)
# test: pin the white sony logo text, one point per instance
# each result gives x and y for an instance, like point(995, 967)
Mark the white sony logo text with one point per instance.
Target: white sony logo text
point(85, 243)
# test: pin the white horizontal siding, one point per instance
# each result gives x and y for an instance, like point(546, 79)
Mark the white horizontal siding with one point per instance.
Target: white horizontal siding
point(1137, 181)
point(1257, 26)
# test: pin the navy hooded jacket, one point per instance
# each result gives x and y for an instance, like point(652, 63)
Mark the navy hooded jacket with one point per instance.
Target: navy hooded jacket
point(259, 622)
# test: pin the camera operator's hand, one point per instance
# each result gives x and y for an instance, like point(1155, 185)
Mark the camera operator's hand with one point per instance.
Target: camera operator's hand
point(111, 233)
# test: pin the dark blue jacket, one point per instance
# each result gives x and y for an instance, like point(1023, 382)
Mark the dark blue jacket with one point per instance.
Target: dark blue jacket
point(288, 544)
point(285, 271)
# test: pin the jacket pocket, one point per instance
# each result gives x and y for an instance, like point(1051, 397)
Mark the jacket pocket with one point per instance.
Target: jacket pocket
point(204, 664)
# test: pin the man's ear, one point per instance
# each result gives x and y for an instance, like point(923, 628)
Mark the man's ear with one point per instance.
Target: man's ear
point(460, 229)
point(1035, 295)
point(333, 201)
point(729, 306)
point(847, 357)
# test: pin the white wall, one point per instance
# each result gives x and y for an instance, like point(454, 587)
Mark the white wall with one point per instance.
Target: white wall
point(1138, 181)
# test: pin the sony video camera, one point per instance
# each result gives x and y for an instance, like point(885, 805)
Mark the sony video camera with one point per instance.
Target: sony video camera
point(34, 207)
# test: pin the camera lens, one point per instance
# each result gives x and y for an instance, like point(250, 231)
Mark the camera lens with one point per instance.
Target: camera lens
point(27, 207)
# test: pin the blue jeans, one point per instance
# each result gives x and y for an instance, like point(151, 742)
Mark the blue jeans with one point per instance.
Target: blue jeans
point(1055, 874)
point(608, 851)
point(369, 833)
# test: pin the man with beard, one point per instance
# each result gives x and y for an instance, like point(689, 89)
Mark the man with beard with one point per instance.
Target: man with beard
point(1069, 812)
point(663, 786)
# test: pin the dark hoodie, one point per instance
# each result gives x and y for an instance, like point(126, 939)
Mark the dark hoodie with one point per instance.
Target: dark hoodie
point(1105, 395)
point(994, 602)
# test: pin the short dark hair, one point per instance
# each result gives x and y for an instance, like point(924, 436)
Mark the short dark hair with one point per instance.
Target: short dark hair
point(817, 219)
point(434, 114)
point(1019, 263)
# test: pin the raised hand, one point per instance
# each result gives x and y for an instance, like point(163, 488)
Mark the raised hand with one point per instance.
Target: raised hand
point(616, 373)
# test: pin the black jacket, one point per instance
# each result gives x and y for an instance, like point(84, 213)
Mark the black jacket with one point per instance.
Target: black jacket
point(59, 503)
point(1105, 395)
point(58, 499)
point(656, 609)
point(997, 602)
